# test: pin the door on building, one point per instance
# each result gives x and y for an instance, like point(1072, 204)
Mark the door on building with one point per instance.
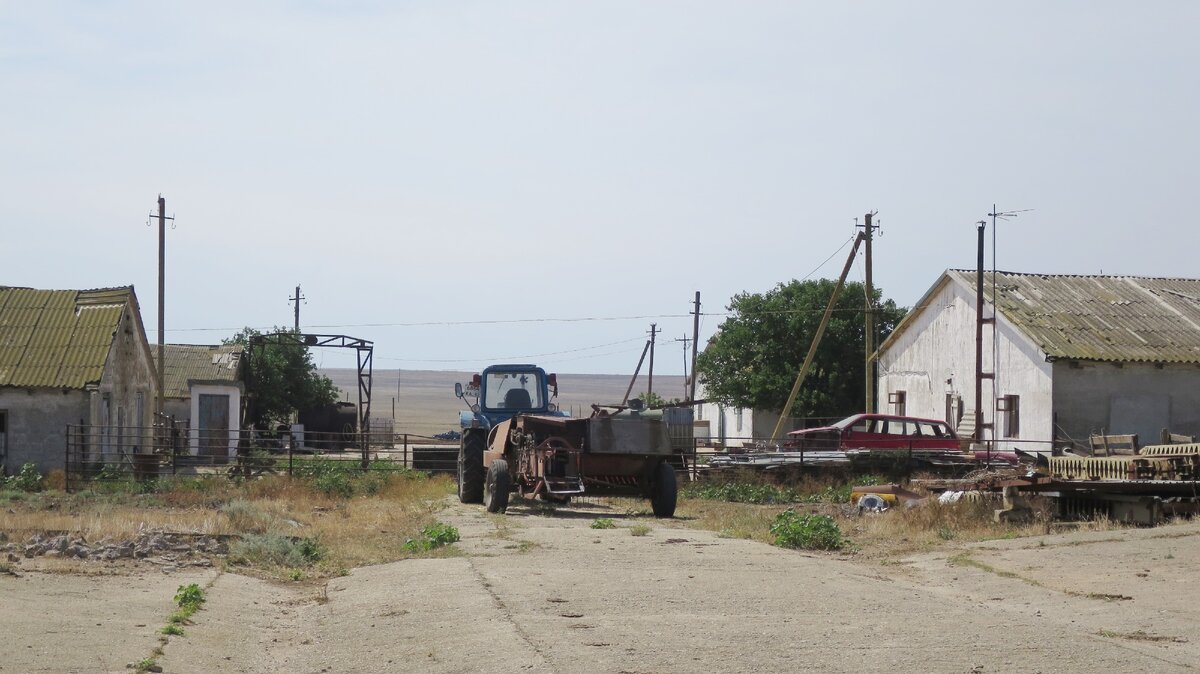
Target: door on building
point(213, 426)
point(3, 440)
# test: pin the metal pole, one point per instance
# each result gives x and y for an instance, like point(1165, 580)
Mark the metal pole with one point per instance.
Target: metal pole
point(695, 343)
point(978, 435)
point(869, 315)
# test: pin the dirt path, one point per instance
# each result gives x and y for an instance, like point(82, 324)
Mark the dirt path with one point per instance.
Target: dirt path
point(537, 593)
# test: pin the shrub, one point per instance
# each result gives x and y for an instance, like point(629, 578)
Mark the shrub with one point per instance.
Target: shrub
point(433, 536)
point(245, 516)
point(273, 549)
point(639, 530)
point(810, 532)
point(335, 484)
point(603, 523)
point(29, 479)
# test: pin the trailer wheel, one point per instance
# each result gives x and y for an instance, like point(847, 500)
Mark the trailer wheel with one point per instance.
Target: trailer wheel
point(495, 490)
point(666, 491)
point(470, 468)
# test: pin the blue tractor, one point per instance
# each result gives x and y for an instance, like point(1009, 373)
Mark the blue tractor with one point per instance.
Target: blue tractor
point(495, 396)
point(514, 439)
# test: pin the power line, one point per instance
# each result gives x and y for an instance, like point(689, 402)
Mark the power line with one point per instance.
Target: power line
point(511, 358)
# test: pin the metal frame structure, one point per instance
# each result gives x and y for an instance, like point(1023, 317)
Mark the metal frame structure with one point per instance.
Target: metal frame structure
point(365, 351)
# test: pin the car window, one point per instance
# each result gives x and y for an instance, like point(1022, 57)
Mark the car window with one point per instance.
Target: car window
point(897, 427)
point(862, 426)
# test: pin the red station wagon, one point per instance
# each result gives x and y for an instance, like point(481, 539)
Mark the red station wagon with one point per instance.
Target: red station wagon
point(875, 431)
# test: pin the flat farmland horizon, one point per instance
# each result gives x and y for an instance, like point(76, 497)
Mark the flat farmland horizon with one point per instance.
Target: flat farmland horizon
point(422, 402)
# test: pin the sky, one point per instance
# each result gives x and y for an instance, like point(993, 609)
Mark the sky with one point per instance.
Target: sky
point(470, 182)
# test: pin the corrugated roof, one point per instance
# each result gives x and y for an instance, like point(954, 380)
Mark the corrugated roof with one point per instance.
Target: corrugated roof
point(1102, 318)
point(57, 338)
point(197, 362)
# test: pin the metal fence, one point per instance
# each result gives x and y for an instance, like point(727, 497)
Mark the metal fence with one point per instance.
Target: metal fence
point(106, 453)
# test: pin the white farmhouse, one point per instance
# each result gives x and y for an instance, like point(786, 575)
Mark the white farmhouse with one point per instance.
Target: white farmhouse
point(1071, 356)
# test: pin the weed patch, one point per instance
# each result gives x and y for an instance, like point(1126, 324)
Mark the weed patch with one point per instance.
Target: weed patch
point(28, 480)
point(433, 536)
point(639, 530)
point(603, 523)
point(808, 532)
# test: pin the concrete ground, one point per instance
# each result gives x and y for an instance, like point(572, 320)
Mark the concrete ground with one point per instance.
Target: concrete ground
point(546, 593)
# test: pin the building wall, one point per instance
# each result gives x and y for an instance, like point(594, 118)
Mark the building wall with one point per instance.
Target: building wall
point(935, 357)
point(37, 425)
point(235, 405)
point(1128, 398)
point(741, 427)
point(124, 404)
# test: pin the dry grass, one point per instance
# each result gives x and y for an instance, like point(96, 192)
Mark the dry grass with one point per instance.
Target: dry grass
point(351, 531)
point(894, 533)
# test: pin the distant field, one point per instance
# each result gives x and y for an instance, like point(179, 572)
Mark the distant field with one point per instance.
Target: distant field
point(425, 403)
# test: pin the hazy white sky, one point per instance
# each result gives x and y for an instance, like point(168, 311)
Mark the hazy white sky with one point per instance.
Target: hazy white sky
point(450, 161)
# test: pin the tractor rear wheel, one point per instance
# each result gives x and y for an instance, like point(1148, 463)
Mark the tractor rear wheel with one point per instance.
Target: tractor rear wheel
point(666, 491)
point(495, 490)
point(470, 468)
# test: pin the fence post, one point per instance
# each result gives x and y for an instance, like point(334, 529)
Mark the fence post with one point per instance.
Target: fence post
point(67, 463)
point(406, 450)
point(289, 448)
point(908, 478)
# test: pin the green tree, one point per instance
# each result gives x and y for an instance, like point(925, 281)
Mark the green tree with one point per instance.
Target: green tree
point(282, 379)
point(757, 352)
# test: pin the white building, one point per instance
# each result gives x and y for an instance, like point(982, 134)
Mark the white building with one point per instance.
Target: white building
point(1071, 356)
point(202, 385)
point(735, 426)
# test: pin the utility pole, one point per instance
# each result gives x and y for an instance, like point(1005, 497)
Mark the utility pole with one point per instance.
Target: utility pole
point(297, 299)
point(979, 321)
point(650, 376)
point(695, 343)
point(685, 339)
point(162, 257)
point(869, 314)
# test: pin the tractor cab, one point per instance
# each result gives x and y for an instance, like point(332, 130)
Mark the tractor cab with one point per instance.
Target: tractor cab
point(501, 392)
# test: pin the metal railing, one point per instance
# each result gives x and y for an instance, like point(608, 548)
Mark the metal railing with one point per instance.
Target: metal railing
point(107, 453)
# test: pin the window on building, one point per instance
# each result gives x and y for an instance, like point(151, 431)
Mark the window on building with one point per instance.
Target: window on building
point(954, 410)
point(897, 399)
point(737, 419)
point(3, 435)
point(1009, 408)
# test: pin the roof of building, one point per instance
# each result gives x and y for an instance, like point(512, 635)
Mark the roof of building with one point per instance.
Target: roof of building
point(184, 363)
point(1096, 318)
point(58, 338)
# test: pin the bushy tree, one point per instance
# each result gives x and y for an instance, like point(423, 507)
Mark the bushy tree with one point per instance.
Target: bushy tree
point(756, 354)
point(282, 379)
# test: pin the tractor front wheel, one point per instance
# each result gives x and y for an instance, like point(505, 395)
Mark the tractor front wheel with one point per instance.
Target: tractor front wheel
point(666, 491)
point(497, 487)
point(470, 468)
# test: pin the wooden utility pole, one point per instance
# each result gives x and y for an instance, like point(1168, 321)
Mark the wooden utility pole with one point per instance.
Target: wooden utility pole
point(297, 299)
point(816, 340)
point(650, 374)
point(695, 343)
point(635, 372)
point(869, 315)
point(686, 340)
point(162, 258)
